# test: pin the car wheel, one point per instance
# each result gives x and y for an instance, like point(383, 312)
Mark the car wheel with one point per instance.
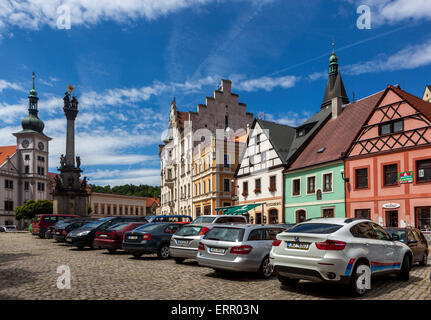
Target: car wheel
point(80, 247)
point(42, 236)
point(266, 269)
point(163, 252)
point(404, 273)
point(355, 290)
point(424, 260)
point(179, 260)
point(286, 281)
point(137, 254)
point(111, 250)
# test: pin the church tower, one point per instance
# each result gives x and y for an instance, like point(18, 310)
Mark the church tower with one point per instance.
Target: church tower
point(32, 151)
point(334, 86)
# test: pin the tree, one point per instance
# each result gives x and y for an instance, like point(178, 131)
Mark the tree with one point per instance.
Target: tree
point(129, 190)
point(31, 208)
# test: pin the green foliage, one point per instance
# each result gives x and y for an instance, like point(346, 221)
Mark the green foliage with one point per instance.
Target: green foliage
point(89, 210)
point(32, 208)
point(129, 190)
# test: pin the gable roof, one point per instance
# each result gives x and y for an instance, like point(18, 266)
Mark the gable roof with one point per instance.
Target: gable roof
point(337, 134)
point(5, 152)
point(421, 105)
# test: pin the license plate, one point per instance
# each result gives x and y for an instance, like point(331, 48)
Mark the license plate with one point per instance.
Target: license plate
point(216, 250)
point(58, 232)
point(298, 245)
point(69, 240)
point(182, 242)
point(104, 236)
point(132, 237)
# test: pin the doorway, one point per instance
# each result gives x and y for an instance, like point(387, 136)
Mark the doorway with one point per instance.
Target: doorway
point(258, 218)
point(392, 219)
point(301, 216)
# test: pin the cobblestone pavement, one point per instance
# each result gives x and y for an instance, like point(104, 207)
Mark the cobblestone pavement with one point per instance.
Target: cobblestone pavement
point(28, 268)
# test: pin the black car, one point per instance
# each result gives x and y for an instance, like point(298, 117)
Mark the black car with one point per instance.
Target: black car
point(415, 239)
point(62, 228)
point(151, 238)
point(84, 236)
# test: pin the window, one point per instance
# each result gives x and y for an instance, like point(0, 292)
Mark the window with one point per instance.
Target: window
point(311, 184)
point(39, 158)
point(381, 233)
point(363, 230)
point(423, 218)
point(272, 233)
point(8, 205)
point(361, 178)
point(296, 187)
point(27, 157)
point(258, 139)
point(226, 161)
point(8, 184)
point(391, 127)
point(363, 213)
point(423, 171)
point(40, 186)
point(226, 121)
point(26, 169)
point(41, 171)
point(256, 235)
point(327, 182)
point(272, 184)
point(316, 228)
point(273, 216)
point(328, 213)
point(257, 186)
point(245, 188)
point(300, 133)
point(226, 186)
point(390, 175)
point(301, 216)
point(26, 185)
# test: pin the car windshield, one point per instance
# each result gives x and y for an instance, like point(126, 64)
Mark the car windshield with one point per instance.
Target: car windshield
point(95, 224)
point(189, 231)
point(318, 228)
point(148, 227)
point(204, 220)
point(225, 234)
point(118, 226)
point(402, 234)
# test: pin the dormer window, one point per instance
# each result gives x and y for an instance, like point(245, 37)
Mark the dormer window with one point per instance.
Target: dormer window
point(300, 133)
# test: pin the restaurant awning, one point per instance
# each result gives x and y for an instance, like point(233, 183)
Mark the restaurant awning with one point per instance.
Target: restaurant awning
point(238, 210)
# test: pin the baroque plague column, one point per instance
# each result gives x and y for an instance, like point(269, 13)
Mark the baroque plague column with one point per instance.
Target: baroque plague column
point(70, 193)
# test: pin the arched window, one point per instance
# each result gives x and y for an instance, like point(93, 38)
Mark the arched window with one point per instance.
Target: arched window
point(301, 216)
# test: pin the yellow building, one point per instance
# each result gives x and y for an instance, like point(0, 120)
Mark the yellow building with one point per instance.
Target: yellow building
point(214, 165)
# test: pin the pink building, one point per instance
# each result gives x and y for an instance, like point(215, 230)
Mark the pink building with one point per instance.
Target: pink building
point(388, 166)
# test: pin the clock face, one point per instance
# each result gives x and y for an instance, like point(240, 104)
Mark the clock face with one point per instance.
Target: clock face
point(25, 144)
point(41, 146)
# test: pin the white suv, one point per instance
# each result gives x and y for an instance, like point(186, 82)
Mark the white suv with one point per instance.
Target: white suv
point(332, 249)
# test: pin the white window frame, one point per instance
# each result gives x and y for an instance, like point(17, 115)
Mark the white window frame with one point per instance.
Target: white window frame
point(323, 182)
point(300, 187)
point(306, 184)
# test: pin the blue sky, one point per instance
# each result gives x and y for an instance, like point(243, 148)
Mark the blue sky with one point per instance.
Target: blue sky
point(129, 58)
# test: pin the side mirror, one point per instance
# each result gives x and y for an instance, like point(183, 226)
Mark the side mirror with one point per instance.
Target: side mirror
point(395, 237)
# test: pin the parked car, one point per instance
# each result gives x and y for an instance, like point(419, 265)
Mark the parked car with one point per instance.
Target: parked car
point(238, 248)
point(416, 241)
point(184, 243)
point(220, 219)
point(43, 221)
point(84, 236)
point(112, 238)
point(170, 218)
point(62, 228)
point(8, 228)
point(332, 249)
point(151, 238)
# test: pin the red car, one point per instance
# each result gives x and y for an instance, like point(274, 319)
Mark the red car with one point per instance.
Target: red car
point(112, 238)
point(42, 222)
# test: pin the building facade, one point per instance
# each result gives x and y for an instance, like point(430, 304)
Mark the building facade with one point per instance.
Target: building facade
point(427, 94)
point(389, 163)
point(24, 167)
point(221, 112)
point(107, 204)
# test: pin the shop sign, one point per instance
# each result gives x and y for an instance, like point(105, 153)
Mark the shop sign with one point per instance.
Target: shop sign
point(391, 205)
point(406, 177)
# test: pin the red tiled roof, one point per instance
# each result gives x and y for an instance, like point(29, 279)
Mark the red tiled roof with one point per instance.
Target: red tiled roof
point(421, 105)
point(6, 152)
point(52, 175)
point(337, 134)
point(150, 201)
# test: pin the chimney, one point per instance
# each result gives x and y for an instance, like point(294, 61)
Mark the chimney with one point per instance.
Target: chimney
point(337, 107)
point(226, 86)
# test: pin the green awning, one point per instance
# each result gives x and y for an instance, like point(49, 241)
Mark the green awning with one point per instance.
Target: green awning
point(238, 210)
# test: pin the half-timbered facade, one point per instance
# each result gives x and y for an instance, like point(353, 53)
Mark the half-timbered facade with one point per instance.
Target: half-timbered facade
point(388, 167)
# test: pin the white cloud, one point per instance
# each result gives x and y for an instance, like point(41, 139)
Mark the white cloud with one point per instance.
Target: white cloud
point(266, 83)
point(10, 85)
point(411, 57)
point(11, 113)
point(290, 118)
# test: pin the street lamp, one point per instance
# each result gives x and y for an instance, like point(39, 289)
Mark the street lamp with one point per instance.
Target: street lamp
point(342, 176)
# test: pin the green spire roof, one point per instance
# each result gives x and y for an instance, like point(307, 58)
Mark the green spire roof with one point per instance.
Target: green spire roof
point(32, 121)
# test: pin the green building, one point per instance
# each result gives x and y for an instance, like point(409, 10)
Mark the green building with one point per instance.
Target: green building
point(314, 182)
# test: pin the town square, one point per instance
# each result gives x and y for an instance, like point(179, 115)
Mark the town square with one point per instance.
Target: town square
point(215, 150)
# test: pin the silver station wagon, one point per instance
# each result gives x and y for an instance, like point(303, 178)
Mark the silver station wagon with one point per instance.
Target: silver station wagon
point(184, 243)
point(238, 248)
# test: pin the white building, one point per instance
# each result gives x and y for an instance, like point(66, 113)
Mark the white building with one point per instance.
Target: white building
point(222, 111)
point(24, 167)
